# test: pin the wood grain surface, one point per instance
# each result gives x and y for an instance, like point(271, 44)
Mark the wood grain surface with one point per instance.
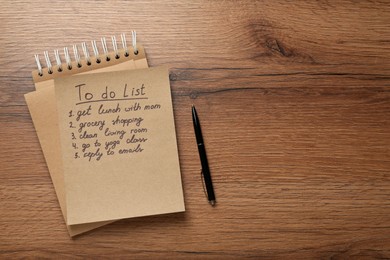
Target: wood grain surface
point(294, 100)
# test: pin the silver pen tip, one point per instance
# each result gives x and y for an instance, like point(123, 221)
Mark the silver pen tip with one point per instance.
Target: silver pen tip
point(212, 202)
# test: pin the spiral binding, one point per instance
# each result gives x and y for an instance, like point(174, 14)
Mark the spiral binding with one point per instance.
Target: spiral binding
point(87, 56)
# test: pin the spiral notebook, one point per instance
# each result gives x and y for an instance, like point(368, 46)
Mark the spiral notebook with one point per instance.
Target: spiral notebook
point(49, 121)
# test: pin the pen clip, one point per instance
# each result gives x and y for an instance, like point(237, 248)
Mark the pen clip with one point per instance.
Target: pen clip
point(203, 183)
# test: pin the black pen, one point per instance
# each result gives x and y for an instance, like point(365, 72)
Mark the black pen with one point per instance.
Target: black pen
point(203, 158)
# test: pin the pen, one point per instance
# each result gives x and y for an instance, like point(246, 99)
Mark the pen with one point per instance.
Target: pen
point(203, 158)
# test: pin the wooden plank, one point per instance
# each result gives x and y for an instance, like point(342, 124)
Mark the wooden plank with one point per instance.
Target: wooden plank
point(294, 100)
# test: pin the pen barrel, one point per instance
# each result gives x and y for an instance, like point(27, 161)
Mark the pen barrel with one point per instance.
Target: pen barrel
point(206, 172)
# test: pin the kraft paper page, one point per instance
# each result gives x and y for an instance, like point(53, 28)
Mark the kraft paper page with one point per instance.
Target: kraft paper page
point(119, 148)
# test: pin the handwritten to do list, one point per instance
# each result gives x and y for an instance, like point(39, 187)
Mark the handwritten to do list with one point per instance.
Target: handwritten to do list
point(121, 134)
point(118, 136)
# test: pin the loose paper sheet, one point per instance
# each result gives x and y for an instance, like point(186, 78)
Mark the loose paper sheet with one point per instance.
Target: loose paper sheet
point(118, 145)
point(43, 110)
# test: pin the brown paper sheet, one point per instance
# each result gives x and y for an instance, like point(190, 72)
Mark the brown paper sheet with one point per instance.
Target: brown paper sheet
point(119, 149)
point(42, 107)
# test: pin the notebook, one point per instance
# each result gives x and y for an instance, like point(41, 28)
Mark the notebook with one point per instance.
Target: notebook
point(42, 106)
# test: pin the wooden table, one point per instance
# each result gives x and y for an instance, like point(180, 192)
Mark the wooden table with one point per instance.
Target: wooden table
point(294, 99)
